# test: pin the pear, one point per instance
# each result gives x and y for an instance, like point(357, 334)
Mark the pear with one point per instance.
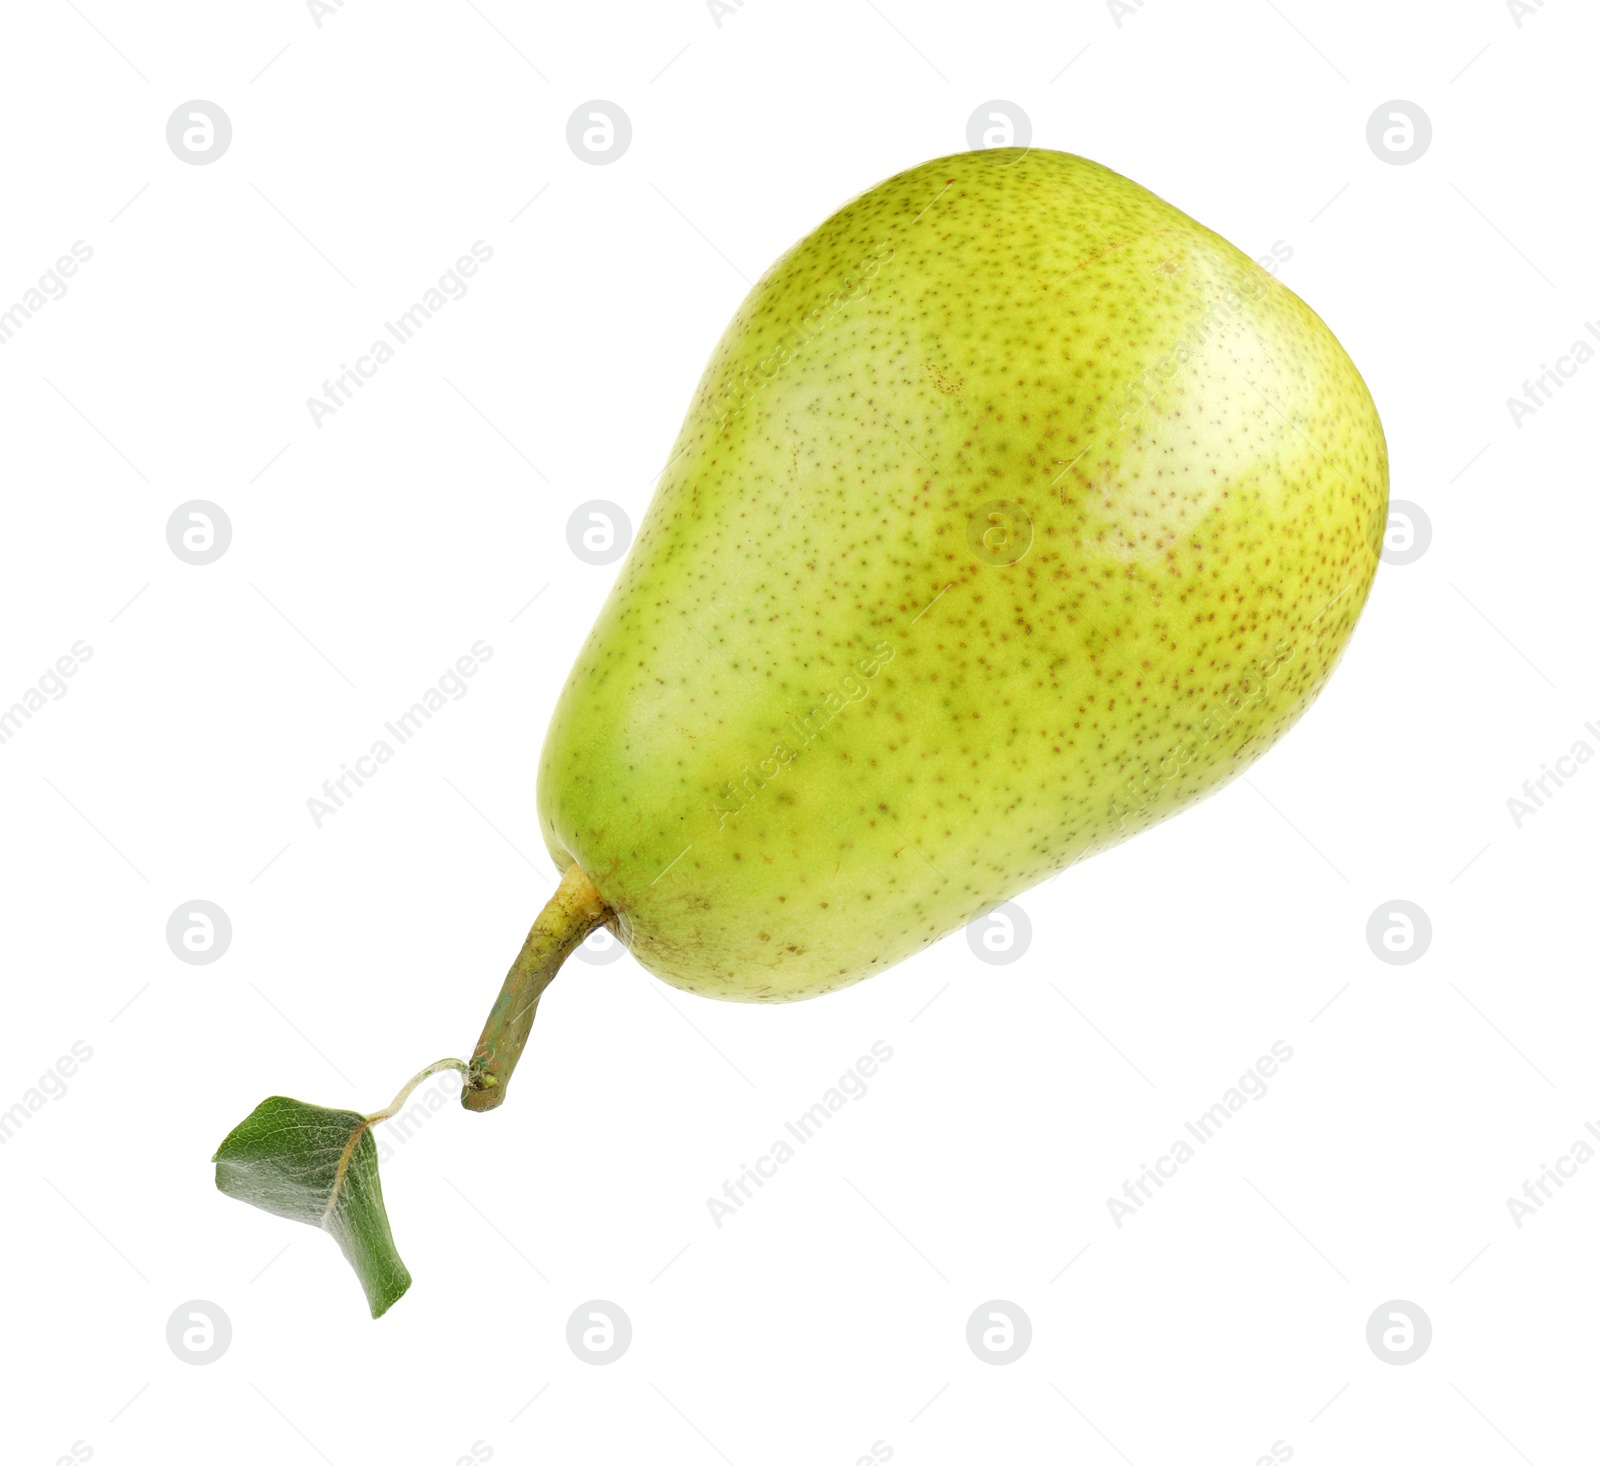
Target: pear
point(1014, 512)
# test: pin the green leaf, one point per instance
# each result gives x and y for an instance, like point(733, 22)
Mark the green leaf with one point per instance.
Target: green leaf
point(320, 1167)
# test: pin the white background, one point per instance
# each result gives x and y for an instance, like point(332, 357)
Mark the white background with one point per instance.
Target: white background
point(369, 553)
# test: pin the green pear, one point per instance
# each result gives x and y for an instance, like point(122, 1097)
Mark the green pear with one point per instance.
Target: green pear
point(1014, 512)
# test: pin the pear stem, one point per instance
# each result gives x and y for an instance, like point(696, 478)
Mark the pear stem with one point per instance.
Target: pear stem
point(572, 913)
point(393, 1108)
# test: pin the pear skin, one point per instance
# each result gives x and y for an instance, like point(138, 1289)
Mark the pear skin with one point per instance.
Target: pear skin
point(1015, 511)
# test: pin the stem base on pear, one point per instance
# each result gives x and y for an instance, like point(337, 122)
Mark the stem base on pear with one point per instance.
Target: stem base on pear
point(571, 914)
